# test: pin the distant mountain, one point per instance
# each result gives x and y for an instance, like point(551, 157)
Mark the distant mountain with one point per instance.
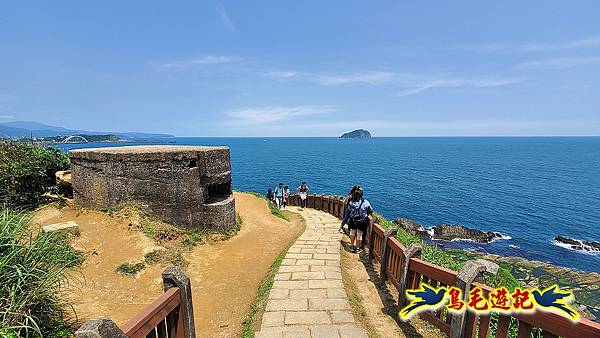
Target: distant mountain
point(358, 133)
point(19, 129)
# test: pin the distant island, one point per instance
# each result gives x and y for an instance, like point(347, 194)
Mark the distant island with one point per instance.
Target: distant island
point(358, 133)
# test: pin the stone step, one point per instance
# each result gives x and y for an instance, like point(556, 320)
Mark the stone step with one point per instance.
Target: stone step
point(69, 226)
point(313, 331)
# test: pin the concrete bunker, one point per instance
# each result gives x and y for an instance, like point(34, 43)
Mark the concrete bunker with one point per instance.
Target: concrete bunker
point(189, 186)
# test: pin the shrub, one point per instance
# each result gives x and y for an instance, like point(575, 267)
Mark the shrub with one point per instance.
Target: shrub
point(33, 267)
point(130, 269)
point(27, 171)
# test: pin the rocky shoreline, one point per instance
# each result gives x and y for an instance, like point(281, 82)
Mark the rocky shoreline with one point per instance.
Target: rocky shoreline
point(537, 274)
point(533, 274)
point(448, 232)
point(577, 245)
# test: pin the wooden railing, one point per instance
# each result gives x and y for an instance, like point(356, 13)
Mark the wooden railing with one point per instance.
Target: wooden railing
point(169, 316)
point(403, 268)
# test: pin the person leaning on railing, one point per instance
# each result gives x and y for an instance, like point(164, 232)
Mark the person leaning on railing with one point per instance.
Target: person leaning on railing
point(357, 215)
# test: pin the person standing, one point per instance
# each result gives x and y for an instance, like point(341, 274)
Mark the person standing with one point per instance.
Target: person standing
point(286, 195)
point(358, 217)
point(279, 195)
point(270, 195)
point(348, 199)
point(303, 193)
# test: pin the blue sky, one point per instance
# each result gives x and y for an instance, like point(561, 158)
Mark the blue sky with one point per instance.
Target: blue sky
point(303, 68)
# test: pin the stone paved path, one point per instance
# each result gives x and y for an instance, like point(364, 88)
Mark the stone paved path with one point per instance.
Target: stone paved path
point(308, 298)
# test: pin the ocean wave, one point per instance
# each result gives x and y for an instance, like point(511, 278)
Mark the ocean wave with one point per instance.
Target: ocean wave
point(587, 249)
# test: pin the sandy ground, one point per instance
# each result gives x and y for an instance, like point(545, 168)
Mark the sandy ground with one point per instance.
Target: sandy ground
point(379, 302)
point(225, 275)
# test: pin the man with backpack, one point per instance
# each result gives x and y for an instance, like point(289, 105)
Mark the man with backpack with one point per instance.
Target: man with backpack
point(279, 195)
point(357, 216)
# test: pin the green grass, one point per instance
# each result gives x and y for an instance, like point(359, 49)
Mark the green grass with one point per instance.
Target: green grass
point(130, 269)
point(274, 210)
point(260, 301)
point(34, 267)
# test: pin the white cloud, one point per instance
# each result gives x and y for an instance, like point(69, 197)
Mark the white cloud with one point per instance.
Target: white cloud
point(267, 115)
point(373, 77)
point(225, 17)
point(282, 74)
point(205, 60)
point(8, 98)
point(564, 62)
point(458, 83)
point(589, 42)
point(8, 117)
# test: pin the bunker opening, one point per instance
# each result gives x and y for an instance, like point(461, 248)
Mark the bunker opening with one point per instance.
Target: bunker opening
point(218, 192)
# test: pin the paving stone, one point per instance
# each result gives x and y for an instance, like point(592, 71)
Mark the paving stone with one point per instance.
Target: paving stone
point(352, 332)
point(313, 251)
point(287, 261)
point(286, 305)
point(269, 333)
point(340, 317)
point(311, 262)
point(273, 319)
point(309, 293)
point(336, 293)
point(307, 317)
point(324, 331)
point(282, 276)
point(294, 250)
point(299, 255)
point(294, 268)
point(332, 263)
point(325, 268)
point(334, 257)
point(332, 275)
point(328, 304)
point(324, 284)
point(279, 293)
point(296, 332)
point(308, 275)
point(292, 284)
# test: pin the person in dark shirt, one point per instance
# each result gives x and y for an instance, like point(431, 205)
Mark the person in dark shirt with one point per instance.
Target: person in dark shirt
point(357, 216)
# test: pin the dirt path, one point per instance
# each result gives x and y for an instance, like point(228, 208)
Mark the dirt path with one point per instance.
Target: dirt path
point(375, 305)
point(225, 275)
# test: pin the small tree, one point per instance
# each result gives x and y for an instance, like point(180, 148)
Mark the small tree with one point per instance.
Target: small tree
point(27, 171)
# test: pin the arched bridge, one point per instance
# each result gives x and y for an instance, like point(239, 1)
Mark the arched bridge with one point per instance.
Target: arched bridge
point(75, 139)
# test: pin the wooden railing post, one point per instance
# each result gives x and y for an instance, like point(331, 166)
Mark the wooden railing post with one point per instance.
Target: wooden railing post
point(413, 250)
point(384, 253)
point(99, 328)
point(466, 276)
point(371, 237)
point(174, 276)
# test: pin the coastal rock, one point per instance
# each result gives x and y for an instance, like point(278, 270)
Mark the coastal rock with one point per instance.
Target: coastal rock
point(579, 245)
point(412, 227)
point(450, 232)
point(358, 133)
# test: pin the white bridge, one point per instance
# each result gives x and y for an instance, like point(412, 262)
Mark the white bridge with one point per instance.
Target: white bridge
point(75, 139)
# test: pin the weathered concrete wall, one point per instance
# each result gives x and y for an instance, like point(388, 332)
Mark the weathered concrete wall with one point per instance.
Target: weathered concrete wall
point(188, 186)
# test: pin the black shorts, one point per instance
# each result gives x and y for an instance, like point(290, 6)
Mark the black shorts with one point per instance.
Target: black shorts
point(360, 225)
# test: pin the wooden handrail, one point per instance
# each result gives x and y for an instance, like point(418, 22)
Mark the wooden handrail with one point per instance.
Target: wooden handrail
point(147, 319)
point(550, 323)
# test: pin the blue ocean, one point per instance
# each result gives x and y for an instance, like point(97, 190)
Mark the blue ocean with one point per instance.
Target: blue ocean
point(527, 188)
